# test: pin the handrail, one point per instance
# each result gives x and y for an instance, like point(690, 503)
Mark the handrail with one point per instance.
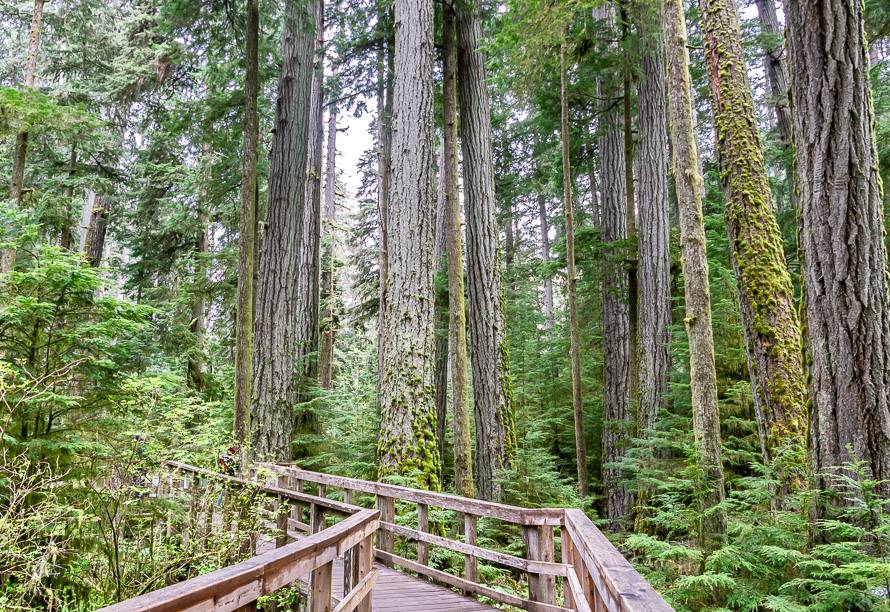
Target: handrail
point(612, 583)
point(238, 585)
point(594, 574)
point(477, 507)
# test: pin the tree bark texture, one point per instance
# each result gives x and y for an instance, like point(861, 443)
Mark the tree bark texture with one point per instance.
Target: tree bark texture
point(7, 257)
point(247, 231)
point(492, 393)
point(407, 439)
point(310, 269)
point(688, 181)
point(841, 238)
point(285, 255)
point(574, 334)
point(616, 319)
point(457, 323)
point(772, 329)
point(385, 69)
point(654, 265)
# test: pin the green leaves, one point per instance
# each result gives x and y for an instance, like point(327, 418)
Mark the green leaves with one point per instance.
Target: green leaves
point(33, 111)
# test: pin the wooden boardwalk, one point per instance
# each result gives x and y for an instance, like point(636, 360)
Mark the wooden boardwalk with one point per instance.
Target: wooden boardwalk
point(398, 592)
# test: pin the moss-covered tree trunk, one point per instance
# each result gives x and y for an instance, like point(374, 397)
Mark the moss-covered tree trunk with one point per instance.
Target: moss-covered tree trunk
point(247, 230)
point(440, 378)
point(407, 438)
point(280, 297)
point(841, 239)
point(772, 329)
point(616, 319)
point(545, 257)
point(654, 268)
point(702, 370)
point(457, 321)
point(492, 395)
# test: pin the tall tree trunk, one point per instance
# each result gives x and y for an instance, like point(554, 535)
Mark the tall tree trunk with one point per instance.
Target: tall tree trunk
point(457, 322)
point(310, 268)
point(247, 235)
point(702, 371)
point(385, 81)
point(407, 438)
point(772, 329)
point(616, 319)
point(545, 257)
point(633, 301)
point(492, 395)
point(7, 257)
point(574, 334)
point(440, 378)
point(654, 258)
point(326, 352)
point(777, 79)
point(93, 243)
point(195, 373)
point(280, 295)
point(842, 239)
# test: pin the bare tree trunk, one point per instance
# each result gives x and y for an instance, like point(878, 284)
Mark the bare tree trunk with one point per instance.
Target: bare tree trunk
point(310, 268)
point(616, 319)
point(492, 395)
point(772, 329)
point(457, 322)
point(280, 296)
point(842, 240)
point(96, 229)
point(407, 437)
point(654, 258)
point(247, 237)
point(326, 352)
point(574, 334)
point(702, 371)
point(545, 257)
point(441, 315)
point(7, 257)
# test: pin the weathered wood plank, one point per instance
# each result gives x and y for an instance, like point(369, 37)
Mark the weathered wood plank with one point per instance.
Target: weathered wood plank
point(617, 582)
point(320, 597)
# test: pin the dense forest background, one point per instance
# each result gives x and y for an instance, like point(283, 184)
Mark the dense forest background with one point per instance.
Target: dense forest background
point(193, 246)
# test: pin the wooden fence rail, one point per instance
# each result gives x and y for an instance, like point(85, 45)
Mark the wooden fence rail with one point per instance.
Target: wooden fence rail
point(590, 574)
point(593, 574)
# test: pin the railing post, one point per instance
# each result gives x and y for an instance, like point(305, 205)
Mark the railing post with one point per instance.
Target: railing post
point(320, 599)
point(539, 547)
point(565, 542)
point(423, 524)
point(281, 514)
point(470, 567)
point(365, 563)
point(387, 507)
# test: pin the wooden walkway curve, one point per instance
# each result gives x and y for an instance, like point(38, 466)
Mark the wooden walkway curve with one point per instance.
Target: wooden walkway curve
point(357, 553)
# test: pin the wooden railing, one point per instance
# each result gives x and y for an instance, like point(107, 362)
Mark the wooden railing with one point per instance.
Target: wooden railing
point(238, 587)
point(593, 574)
